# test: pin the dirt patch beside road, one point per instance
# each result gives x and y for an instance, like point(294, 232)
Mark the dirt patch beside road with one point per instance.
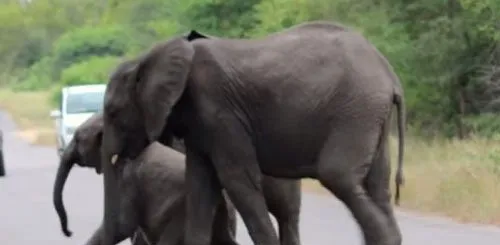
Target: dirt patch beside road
point(30, 111)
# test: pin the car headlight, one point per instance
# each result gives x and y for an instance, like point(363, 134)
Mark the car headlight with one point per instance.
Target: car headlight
point(70, 130)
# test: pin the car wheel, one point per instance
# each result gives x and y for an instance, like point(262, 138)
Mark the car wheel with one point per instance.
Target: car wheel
point(2, 164)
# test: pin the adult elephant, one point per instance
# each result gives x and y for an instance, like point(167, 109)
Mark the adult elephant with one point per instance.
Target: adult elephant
point(314, 101)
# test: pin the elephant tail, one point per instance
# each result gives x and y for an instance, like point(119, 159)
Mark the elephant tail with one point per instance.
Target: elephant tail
point(399, 178)
point(66, 163)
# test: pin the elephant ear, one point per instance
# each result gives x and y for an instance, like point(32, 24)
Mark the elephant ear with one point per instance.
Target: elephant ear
point(161, 78)
point(193, 34)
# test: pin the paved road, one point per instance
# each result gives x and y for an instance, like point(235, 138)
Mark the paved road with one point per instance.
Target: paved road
point(27, 216)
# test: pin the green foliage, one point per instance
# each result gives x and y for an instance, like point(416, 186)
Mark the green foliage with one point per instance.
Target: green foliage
point(446, 53)
point(32, 49)
point(273, 16)
point(94, 70)
point(39, 76)
point(494, 155)
point(223, 17)
point(56, 96)
point(85, 42)
point(163, 29)
point(89, 71)
point(485, 125)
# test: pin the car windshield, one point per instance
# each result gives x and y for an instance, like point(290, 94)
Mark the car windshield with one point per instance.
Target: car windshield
point(84, 102)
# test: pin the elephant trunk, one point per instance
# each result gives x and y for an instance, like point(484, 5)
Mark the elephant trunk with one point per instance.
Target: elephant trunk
point(111, 197)
point(66, 163)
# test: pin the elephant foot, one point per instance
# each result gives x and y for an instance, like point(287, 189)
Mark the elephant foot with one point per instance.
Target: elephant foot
point(227, 243)
point(386, 239)
point(395, 239)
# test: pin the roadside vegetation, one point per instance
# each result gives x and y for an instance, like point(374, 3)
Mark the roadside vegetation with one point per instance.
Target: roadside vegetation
point(445, 52)
point(30, 110)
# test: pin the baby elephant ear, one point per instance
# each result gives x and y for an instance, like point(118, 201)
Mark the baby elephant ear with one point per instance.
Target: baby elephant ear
point(161, 78)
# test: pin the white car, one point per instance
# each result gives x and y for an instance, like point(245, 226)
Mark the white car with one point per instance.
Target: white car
point(78, 103)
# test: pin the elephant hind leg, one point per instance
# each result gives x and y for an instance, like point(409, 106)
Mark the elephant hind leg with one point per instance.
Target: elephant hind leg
point(289, 233)
point(377, 184)
point(343, 164)
point(283, 199)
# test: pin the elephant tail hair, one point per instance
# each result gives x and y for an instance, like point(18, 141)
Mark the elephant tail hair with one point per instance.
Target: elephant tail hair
point(399, 178)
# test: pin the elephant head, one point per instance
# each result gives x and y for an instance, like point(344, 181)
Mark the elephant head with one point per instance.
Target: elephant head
point(84, 150)
point(139, 98)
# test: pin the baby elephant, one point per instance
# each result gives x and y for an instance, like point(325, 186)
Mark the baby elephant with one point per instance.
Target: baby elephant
point(152, 196)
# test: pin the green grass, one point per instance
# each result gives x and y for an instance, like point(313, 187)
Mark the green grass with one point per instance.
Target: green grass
point(30, 111)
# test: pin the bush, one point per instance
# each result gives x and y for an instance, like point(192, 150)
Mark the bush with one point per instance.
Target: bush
point(94, 70)
point(80, 44)
point(33, 48)
point(73, 48)
point(89, 71)
point(38, 76)
point(485, 125)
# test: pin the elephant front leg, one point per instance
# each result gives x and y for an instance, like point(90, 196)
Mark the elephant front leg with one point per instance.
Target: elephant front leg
point(203, 194)
point(289, 231)
point(95, 239)
point(239, 173)
point(224, 231)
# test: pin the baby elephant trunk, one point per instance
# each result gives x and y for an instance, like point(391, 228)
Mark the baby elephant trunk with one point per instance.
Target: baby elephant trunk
point(62, 174)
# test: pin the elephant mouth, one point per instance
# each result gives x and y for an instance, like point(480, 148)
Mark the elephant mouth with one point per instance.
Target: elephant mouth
point(129, 153)
point(118, 160)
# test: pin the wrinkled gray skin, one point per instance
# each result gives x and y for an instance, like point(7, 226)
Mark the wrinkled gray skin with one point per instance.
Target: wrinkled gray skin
point(2, 163)
point(153, 191)
point(314, 100)
point(283, 198)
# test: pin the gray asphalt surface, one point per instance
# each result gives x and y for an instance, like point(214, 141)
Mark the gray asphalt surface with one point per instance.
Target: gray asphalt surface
point(27, 215)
